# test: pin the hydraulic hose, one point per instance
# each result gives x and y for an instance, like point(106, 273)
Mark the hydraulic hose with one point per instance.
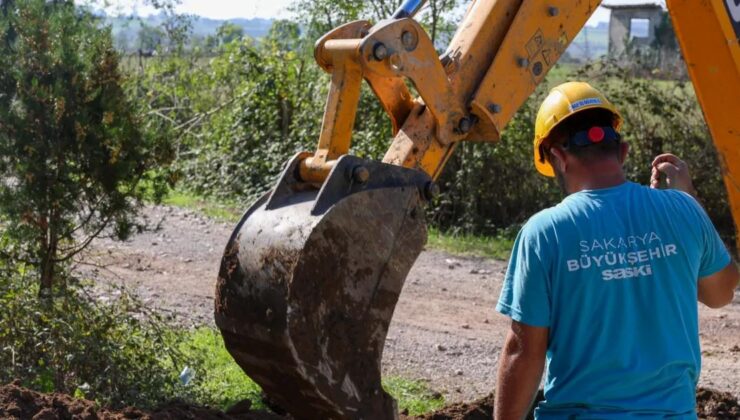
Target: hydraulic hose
point(408, 9)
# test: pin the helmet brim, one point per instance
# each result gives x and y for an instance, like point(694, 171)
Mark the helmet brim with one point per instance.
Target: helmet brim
point(543, 166)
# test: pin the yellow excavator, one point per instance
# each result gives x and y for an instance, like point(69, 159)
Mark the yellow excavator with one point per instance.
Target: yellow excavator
point(313, 271)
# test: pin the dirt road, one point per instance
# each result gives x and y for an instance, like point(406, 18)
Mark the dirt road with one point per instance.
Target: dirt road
point(445, 330)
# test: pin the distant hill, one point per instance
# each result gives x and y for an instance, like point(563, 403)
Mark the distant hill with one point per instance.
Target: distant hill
point(126, 29)
point(256, 28)
point(592, 42)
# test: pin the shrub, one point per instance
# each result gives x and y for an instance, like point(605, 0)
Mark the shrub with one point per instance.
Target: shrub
point(79, 344)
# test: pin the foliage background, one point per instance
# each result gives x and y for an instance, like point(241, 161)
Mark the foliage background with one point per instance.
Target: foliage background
point(239, 115)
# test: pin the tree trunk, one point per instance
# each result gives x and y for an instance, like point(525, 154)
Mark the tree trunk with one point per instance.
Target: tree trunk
point(435, 17)
point(48, 263)
point(47, 274)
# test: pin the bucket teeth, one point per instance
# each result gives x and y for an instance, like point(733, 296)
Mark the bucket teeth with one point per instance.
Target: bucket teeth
point(304, 299)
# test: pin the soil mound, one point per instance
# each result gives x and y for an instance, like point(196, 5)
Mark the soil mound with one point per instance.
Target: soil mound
point(17, 402)
point(481, 409)
point(716, 405)
point(710, 405)
point(476, 410)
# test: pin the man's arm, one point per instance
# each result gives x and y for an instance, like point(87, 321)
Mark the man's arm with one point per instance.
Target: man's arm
point(718, 289)
point(520, 370)
point(715, 290)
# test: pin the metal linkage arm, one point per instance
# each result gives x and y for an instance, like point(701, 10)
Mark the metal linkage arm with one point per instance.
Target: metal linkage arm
point(500, 54)
point(385, 55)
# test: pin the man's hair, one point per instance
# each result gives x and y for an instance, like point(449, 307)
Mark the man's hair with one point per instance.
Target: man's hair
point(583, 121)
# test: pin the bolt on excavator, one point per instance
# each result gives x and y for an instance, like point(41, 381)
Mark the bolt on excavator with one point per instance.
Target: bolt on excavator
point(312, 273)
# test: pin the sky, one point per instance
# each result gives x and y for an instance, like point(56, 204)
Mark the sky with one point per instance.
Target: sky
point(229, 9)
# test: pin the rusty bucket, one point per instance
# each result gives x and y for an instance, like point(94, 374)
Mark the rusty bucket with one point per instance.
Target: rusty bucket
point(309, 281)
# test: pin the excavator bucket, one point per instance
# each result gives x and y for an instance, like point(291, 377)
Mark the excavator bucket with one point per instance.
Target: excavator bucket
point(309, 281)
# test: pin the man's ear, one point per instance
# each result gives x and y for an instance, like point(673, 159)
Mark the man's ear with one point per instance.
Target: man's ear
point(558, 158)
point(624, 149)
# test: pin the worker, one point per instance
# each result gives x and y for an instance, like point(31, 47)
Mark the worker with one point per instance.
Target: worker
point(602, 288)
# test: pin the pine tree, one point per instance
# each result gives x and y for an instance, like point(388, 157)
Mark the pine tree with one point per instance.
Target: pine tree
point(73, 161)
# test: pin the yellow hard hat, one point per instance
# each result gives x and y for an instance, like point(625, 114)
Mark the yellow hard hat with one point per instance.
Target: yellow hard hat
point(564, 101)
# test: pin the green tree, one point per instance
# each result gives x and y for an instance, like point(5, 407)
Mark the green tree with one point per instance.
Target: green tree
point(225, 34)
point(171, 31)
point(285, 35)
point(229, 32)
point(665, 36)
point(320, 16)
point(73, 162)
point(150, 38)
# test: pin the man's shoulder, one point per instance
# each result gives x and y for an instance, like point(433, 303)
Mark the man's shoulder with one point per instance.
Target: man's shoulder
point(544, 220)
point(557, 214)
point(677, 199)
point(636, 193)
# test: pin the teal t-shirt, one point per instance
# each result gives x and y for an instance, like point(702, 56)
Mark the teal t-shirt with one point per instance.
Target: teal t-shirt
point(613, 274)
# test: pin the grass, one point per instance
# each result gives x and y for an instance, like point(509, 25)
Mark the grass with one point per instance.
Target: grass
point(413, 396)
point(223, 381)
point(560, 73)
point(466, 244)
point(218, 376)
point(222, 211)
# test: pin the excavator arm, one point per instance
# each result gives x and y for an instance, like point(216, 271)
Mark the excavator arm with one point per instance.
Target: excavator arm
point(312, 273)
point(709, 35)
point(501, 52)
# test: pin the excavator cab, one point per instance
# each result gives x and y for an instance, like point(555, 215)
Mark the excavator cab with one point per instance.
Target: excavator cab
point(312, 273)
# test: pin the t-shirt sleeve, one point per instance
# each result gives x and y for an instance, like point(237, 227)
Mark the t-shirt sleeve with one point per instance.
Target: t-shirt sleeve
point(525, 295)
point(714, 256)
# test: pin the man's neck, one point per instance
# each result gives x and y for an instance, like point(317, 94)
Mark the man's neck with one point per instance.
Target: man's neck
point(595, 181)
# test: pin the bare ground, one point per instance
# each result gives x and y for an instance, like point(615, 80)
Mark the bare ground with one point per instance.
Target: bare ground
point(21, 403)
point(445, 330)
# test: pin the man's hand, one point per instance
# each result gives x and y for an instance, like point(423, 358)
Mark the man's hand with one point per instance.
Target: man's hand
point(676, 172)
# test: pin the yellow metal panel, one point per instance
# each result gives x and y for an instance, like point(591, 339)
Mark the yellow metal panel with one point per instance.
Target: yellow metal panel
point(477, 41)
point(539, 34)
point(709, 41)
point(730, 25)
point(394, 96)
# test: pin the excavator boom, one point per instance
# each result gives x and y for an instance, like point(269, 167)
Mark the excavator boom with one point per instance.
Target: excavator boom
point(709, 35)
point(313, 271)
